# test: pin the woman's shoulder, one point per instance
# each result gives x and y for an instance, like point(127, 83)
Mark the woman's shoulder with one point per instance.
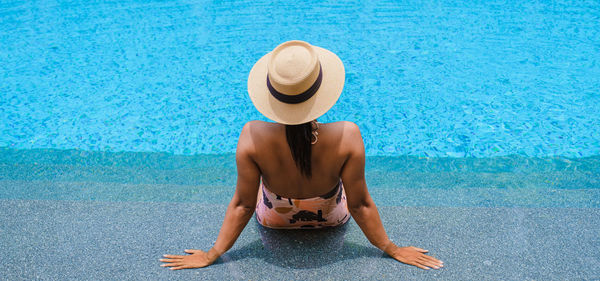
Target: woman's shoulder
point(349, 139)
point(346, 125)
point(251, 132)
point(347, 129)
point(258, 123)
point(256, 134)
point(260, 127)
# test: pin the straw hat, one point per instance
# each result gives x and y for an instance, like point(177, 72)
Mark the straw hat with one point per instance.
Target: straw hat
point(296, 82)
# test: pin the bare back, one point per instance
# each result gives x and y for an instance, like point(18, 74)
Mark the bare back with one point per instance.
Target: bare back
point(280, 174)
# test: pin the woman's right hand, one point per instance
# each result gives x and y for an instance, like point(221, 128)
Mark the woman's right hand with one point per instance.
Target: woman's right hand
point(413, 256)
point(197, 258)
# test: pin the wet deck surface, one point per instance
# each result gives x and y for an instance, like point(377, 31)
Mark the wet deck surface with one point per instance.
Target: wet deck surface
point(51, 240)
point(95, 215)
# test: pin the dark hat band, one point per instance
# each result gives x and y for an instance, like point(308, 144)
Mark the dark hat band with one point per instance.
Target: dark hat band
point(293, 99)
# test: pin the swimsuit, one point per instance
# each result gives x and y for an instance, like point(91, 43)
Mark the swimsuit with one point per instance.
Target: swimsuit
point(275, 211)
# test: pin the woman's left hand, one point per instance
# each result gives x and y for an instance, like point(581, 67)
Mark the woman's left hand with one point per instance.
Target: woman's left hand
point(198, 258)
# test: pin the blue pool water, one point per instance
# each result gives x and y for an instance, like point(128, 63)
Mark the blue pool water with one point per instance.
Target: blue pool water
point(119, 119)
point(422, 78)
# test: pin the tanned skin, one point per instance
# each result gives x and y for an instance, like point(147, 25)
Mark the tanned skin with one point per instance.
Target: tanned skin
point(339, 153)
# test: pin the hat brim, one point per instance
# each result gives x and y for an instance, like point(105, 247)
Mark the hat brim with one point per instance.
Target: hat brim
point(293, 114)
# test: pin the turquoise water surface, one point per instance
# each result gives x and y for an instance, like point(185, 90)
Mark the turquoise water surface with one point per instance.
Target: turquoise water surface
point(422, 78)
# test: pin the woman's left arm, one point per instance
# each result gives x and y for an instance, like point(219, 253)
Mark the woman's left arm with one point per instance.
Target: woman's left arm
point(238, 212)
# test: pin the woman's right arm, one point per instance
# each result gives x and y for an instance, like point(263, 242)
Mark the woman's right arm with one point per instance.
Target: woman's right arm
point(363, 209)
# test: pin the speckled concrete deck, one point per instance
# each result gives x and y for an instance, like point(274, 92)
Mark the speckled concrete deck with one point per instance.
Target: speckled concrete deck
point(110, 216)
point(60, 240)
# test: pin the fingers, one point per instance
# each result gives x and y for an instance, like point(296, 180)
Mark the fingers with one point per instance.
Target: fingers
point(426, 262)
point(180, 267)
point(419, 249)
point(429, 263)
point(421, 266)
point(193, 251)
point(172, 260)
point(171, 264)
point(432, 259)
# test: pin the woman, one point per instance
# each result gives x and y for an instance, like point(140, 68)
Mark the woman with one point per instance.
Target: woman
point(286, 170)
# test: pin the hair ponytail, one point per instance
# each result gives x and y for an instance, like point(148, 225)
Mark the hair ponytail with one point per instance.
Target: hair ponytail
point(299, 139)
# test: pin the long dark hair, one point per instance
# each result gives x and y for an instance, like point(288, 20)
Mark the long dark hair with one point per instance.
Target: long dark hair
point(299, 139)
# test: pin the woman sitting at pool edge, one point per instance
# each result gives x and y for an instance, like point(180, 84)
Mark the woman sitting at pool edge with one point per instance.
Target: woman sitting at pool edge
point(286, 170)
